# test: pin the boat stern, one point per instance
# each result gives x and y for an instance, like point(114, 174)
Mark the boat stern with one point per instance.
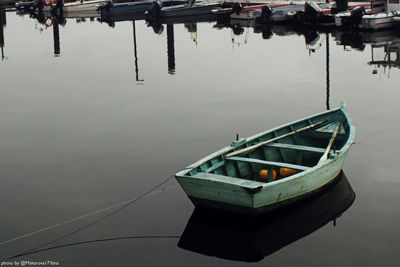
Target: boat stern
point(221, 192)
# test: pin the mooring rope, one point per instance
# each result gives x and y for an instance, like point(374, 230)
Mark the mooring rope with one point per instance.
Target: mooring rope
point(96, 241)
point(120, 206)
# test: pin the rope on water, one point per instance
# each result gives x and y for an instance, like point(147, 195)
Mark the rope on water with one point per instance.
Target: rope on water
point(119, 207)
point(97, 241)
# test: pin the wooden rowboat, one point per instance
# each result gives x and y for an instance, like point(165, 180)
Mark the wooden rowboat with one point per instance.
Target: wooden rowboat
point(250, 239)
point(273, 168)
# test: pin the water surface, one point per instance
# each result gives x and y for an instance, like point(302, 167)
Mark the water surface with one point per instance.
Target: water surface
point(83, 127)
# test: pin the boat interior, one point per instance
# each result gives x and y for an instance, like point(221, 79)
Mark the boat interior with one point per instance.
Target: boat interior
point(287, 150)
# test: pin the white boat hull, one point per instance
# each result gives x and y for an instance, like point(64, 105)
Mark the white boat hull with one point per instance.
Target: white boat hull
point(89, 6)
point(378, 21)
point(253, 13)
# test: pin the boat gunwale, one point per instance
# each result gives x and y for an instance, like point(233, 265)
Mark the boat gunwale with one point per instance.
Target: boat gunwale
point(255, 184)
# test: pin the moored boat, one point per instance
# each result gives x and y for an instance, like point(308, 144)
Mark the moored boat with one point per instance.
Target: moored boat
point(112, 9)
point(84, 6)
point(273, 168)
point(191, 8)
point(249, 239)
point(276, 11)
point(382, 14)
point(380, 20)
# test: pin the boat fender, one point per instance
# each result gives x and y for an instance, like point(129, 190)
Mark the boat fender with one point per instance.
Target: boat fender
point(287, 172)
point(252, 191)
point(264, 174)
point(283, 172)
point(48, 22)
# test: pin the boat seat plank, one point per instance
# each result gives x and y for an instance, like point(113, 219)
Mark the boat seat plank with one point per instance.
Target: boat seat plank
point(297, 147)
point(272, 163)
point(215, 166)
point(227, 179)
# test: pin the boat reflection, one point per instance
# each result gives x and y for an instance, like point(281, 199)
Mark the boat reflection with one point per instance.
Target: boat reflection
point(240, 29)
point(385, 47)
point(250, 239)
point(388, 41)
point(359, 40)
point(111, 18)
point(389, 56)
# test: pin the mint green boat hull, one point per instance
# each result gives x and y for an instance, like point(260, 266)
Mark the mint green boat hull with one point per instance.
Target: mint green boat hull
point(217, 182)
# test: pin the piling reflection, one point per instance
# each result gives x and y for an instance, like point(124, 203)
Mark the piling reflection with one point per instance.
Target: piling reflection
point(56, 37)
point(171, 49)
point(135, 53)
point(249, 239)
point(3, 23)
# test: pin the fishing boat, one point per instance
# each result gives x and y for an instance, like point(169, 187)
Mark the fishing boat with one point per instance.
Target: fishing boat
point(84, 6)
point(249, 239)
point(382, 14)
point(283, 11)
point(192, 8)
point(276, 11)
point(131, 9)
point(273, 168)
point(380, 20)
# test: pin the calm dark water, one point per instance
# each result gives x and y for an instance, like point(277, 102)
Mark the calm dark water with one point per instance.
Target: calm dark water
point(80, 130)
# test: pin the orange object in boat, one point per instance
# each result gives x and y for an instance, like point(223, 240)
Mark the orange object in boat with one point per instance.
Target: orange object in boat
point(287, 172)
point(264, 174)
